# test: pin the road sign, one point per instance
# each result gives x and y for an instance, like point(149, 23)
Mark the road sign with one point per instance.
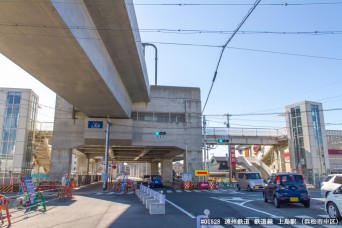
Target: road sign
point(201, 173)
point(95, 124)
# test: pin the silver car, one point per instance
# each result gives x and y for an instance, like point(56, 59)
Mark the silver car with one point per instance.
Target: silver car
point(330, 183)
point(250, 181)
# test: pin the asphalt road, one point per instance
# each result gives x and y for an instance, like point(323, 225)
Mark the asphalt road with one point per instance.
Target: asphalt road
point(91, 207)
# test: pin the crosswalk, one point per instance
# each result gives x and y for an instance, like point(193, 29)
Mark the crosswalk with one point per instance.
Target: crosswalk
point(177, 191)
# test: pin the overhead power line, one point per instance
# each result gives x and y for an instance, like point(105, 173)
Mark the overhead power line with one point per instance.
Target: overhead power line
point(247, 49)
point(237, 4)
point(167, 30)
point(224, 47)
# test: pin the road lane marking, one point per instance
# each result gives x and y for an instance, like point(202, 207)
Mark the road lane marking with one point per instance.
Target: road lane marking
point(303, 216)
point(169, 191)
point(241, 205)
point(324, 216)
point(181, 209)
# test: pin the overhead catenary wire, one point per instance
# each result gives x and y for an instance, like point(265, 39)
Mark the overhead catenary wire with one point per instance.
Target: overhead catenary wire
point(224, 47)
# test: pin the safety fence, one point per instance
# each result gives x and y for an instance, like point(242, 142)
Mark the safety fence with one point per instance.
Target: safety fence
point(25, 203)
point(153, 200)
point(209, 185)
point(122, 185)
point(11, 183)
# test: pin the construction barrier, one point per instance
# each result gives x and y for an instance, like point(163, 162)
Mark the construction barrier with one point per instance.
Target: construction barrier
point(203, 185)
point(64, 192)
point(186, 185)
point(212, 185)
point(4, 205)
point(6, 188)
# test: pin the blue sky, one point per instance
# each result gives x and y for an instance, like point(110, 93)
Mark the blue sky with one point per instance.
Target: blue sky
point(248, 81)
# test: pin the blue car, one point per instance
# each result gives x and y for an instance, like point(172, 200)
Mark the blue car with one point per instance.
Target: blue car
point(286, 188)
point(155, 181)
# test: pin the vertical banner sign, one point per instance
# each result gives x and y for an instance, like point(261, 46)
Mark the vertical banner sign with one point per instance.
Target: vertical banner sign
point(29, 188)
point(232, 155)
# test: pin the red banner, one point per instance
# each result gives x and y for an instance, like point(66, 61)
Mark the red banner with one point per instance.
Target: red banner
point(338, 152)
point(232, 156)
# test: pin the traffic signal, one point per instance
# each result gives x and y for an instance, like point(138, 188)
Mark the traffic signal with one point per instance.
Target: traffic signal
point(160, 133)
point(222, 140)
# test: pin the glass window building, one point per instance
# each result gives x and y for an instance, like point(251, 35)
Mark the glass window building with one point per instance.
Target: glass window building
point(18, 116)
point(307, 140)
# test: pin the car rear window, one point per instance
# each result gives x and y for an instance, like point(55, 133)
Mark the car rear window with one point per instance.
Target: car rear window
point(253, 176)
point(156, 177)
point(292, 180)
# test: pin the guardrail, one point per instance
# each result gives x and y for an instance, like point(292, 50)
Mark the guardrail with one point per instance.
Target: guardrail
point(153, 200)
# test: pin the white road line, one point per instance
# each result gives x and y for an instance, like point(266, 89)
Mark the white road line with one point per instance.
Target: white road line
point(197, 191)
point(241, 205)
point(324, 216)
point(303, 216)
point(178, 191)
point(181, 209)
point(272, 226)
point(169, 191)
point(301, 226)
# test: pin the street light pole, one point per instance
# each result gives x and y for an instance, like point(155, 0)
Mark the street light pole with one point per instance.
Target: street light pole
point(156, 58)
point(106, 155)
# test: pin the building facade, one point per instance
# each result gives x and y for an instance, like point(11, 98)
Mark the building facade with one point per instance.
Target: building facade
point(18, 116)
point(334, 138)
point(307, 140)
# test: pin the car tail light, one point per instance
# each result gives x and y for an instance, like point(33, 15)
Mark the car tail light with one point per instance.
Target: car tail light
point(278, 179)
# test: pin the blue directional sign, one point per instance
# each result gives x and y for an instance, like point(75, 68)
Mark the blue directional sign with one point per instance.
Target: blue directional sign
point(95, 124)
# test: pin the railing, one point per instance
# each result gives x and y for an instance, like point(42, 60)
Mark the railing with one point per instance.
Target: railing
point(156, 195)
point(44, 126)
point(281, 132)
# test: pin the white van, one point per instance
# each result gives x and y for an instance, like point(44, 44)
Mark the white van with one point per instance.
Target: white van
point(250, 181)
point(330, 183)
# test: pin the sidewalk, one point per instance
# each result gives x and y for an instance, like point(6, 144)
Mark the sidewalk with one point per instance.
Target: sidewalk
point(88, 209)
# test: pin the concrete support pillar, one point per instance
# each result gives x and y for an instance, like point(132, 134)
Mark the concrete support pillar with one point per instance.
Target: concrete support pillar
point(88, 165)
point(154, 168)
point(166, 171)
point(67, 134)
point(193, 162)
point(83, 164)
point(282, 159)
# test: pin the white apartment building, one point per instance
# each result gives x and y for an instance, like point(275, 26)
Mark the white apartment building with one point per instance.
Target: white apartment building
point(307, 140)
point(18, 115)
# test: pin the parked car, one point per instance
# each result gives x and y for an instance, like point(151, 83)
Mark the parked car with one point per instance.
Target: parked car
point(250, 181)
point(286, 188)
point(333, 204)
point(330, 183)
point(146, 179)
point(155, 181)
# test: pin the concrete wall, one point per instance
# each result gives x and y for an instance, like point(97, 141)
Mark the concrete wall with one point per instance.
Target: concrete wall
point(166, 99)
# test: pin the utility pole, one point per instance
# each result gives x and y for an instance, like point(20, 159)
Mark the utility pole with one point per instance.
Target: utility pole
point(106, 155)
point(205, 143)
point(230, 155)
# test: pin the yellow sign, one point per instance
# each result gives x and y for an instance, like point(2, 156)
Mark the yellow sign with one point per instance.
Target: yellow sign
point(201, 173)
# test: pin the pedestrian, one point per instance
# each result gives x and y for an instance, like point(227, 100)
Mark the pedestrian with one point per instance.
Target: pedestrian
point(65, 180)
